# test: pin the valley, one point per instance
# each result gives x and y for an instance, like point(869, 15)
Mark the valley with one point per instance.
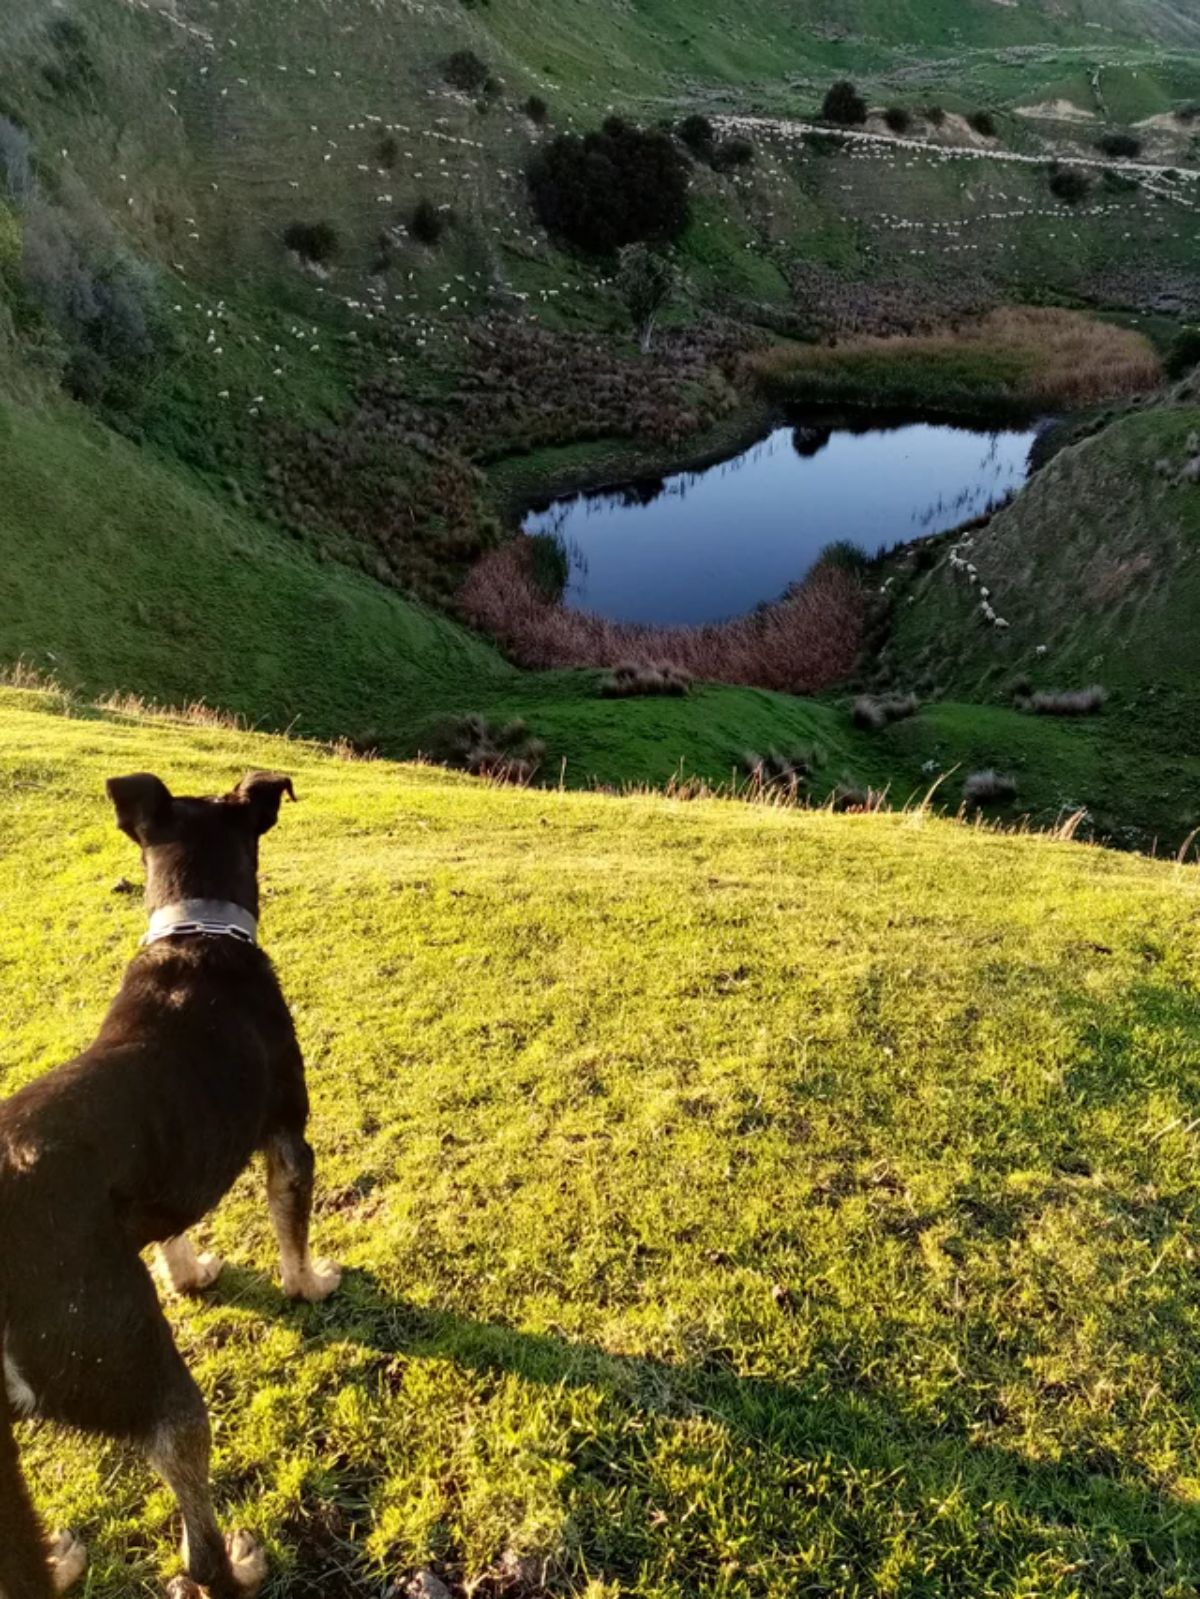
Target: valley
point(705, 502)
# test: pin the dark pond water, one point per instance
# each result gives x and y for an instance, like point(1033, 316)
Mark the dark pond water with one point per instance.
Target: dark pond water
point(706, 545)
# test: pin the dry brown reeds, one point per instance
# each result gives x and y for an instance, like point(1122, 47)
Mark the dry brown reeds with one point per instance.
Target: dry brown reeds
point(804, 642)
point(1030, 355)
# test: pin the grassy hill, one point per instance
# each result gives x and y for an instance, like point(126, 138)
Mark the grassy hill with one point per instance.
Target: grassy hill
point(156, 154)
point(1094, 569)
point(736, 1202)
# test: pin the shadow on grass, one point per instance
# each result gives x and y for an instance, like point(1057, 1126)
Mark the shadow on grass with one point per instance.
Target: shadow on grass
point(1130, 1537)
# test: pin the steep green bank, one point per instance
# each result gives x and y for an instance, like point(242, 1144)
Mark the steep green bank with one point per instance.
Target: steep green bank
point(1093, 573)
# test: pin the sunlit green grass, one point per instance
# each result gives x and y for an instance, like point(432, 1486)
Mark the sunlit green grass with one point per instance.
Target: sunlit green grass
point(736, 1202)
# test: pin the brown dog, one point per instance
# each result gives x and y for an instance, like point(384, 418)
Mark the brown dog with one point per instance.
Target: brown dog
point(195, 1068)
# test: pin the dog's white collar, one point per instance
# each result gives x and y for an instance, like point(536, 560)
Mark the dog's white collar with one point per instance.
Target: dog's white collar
point(218, 918)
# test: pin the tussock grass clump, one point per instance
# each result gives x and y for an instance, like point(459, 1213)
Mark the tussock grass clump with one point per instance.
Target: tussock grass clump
point(988, 787)
point(872, 714)
point(506, 752)
point(898, 118)
point(1025, 356)
point(777, 770)
point(631, 681)
point(1088, 701)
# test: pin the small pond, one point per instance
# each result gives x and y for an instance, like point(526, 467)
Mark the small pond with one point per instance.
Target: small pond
point(705, 545)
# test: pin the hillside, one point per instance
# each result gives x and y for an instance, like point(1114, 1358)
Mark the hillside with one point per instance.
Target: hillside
point(783, 1202)
point(1094, 569)
point(261, 483)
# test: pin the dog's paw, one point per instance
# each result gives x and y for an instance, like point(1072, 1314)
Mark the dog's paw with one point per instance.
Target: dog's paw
point(249, 1561)
point(316, 1282)
point(182, 1587)
point(67, 1559)
point(208, 1269)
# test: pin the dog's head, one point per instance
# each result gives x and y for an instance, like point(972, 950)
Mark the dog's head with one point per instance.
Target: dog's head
point(199, 848)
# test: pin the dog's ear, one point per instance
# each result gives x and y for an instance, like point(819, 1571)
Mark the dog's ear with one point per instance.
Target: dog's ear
point(263, 792)
point(143, 805)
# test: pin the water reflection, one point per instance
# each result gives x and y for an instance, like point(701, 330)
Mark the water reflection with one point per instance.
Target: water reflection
point(698, 546)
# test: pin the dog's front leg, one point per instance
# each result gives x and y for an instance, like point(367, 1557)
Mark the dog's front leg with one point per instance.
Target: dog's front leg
point(290, 1166)
point(184, 1271)
point(221, 1568)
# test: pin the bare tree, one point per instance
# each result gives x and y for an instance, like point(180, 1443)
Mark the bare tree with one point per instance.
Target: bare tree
point(646, 282)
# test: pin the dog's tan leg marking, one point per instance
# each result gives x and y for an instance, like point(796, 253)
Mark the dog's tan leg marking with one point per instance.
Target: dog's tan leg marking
point(67, 1559)
point(184, 1271)
point(236, 1565)
point(289, 1198)
point(309, 1279)
point(247, 1560)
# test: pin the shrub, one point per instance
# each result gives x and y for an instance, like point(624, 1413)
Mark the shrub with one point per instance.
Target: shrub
point(1071, 702)
point(1070, 185)
point(100, 301)
point(73, 71)
point(731, 153)
point(988, 788)
point(388, 150)
point(316, 242)
point(631, 681)
point(984, 123)
point(844, 105)
point(898, 118)
point(536, 109)
point(936, 115)
point(872, 714)
point(616, 186)
point(16, 169)
point(1184, 354)
point(1121, 146)
point(427, 223)
point(698, 133)
point(464, 70)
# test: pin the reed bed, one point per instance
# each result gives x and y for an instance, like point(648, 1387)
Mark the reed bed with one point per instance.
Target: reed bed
point(805, 641)
point(1025, 356)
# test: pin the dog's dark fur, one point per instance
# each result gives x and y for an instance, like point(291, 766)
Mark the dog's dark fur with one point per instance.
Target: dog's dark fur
point(195, 1068)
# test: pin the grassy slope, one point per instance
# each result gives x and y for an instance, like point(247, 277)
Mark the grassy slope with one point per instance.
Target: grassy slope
point(187, 134)
point(736, 1202)
point(1097, 562)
